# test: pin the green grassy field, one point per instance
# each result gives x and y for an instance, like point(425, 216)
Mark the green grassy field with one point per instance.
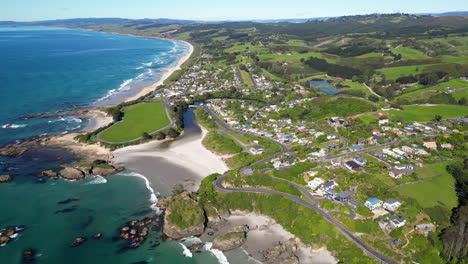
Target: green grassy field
point(459, 84)
point(394, 73)
point(139, 118)
point(426, 113)
point(409, 53)
point(246, 78)
point(436, 187)
point(221, 144)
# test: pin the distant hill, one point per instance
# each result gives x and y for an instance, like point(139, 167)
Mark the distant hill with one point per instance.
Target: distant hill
point(455, 13)
point(86, 22)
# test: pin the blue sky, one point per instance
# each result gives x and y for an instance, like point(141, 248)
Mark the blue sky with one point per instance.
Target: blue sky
point(29, 10)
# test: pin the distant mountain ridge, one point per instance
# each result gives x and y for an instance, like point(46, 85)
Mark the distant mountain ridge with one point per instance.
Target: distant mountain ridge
point(80, 22)
point(85, 22)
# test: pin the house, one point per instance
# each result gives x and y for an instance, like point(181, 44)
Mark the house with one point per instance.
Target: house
point(356, 147)
point(256, 150)
point(246, 171)
point(343, 197)
point(373, 203)
point(360, 161)
point(391, 204)
point(328, 185)
point(352, 166)
point(447, 146)
point(331, 194)
point(315, 183)
point(312, 173)
point(384, 121)
point(430, 145)
point(424, 229)
point(393, 221)
point(360, 141)
point(401, 170)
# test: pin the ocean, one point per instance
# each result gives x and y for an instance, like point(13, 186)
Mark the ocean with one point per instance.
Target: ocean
point(46, 71)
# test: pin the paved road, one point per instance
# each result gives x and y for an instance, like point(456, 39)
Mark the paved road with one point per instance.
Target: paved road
point(218, 185)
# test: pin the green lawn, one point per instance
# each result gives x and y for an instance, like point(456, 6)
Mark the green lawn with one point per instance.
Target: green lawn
point(426, 113)
point(246, 78)
point(139, 118)
point(432, 191)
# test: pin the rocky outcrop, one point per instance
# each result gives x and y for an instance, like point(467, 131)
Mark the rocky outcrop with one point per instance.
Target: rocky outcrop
point(50, 174)
point(28, 255)
point(214, 218)
point(20, 148)
point(6, 178)
point(229, 241)
point(283, 253)
point(136, 231)
point(183, 217)
point(78, 241)
point(70, 173)
point(7, 234)
point(163, 203)
point(107, 170)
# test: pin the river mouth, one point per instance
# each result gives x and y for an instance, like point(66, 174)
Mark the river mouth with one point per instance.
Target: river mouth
point(183, 161)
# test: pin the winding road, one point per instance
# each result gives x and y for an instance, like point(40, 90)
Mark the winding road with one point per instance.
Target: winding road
point(218, 185)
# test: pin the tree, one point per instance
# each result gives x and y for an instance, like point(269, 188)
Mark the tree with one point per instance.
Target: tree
point(146, 136)
point(172, 133)
point(160, 135)
point(462, 101)
point(437, 118)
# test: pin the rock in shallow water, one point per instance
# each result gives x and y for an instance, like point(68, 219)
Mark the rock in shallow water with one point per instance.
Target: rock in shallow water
point(6, 178)
point(28, 255)
point(70, 173)
point(78, 241)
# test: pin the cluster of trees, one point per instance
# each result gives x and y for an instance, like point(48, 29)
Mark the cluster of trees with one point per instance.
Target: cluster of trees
point(178, 110)
point(423, 78)
point(455, 237)
point(356, 48)
point(332, 69)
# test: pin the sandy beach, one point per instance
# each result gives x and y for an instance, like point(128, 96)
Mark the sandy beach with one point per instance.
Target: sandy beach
point(183, 161)
point(267, 233)
point(168, 72)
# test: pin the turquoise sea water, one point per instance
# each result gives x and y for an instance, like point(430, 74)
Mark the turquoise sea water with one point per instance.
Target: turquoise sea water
point(48, 70)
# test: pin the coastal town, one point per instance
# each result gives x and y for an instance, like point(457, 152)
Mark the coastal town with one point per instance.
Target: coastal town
point(282, 138)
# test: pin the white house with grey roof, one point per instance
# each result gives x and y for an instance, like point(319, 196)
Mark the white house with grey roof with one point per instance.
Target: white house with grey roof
point(391, 204)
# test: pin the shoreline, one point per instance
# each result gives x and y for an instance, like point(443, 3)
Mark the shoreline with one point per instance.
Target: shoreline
point(169, 71)
point(265, 234)
point(187, 160)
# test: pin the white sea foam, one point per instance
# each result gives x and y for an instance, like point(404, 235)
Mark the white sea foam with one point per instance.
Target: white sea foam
point(217, 253)
point(97, 180)
point(13, 126)
point(188, 241)
point(186, 251)
point(153, 198)
point(123, 87)
point(14, 235)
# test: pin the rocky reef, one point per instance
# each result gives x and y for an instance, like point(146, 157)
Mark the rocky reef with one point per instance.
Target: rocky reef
point(6, 178)
point(80, 171)
point(9, 233)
